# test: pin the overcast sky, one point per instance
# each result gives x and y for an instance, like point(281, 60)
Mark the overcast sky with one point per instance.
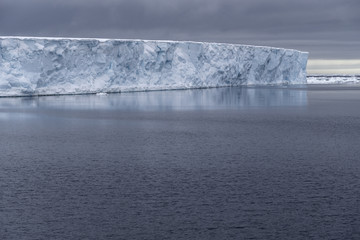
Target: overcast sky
point(328, 29)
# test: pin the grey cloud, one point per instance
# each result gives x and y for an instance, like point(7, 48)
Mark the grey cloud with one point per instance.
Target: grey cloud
point(324, 28)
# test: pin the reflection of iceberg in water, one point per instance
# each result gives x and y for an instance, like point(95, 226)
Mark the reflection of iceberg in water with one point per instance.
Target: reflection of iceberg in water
point(197, 99)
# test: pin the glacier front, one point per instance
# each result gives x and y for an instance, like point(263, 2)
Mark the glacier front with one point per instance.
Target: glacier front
point(46, 66)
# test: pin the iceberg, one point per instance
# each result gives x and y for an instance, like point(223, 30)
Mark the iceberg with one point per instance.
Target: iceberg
point(333, 79)
point(51, 66)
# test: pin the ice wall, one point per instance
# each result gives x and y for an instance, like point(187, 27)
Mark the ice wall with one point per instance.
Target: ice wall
point(36, 66)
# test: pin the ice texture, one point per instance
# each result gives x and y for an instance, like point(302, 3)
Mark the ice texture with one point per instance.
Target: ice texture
point(41, 66)
point(334, 79)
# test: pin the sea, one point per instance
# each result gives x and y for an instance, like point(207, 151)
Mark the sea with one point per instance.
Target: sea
point(270, 162)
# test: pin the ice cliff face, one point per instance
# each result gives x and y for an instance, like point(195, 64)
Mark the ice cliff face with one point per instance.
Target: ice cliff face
point(32, 66)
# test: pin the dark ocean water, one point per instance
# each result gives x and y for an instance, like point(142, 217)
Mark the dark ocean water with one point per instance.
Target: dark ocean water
point(226, 163)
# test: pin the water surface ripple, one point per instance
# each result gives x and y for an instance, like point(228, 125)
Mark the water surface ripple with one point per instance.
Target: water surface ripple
point(226, 163)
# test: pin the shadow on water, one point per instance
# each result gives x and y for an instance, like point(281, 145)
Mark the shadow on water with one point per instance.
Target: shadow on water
point(197, 99)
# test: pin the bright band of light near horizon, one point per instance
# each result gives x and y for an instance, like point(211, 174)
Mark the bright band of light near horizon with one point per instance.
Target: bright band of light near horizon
point(333, 66)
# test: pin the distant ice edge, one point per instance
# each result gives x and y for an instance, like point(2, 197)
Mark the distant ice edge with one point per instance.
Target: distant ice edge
point(333, 79)
point(46, 66)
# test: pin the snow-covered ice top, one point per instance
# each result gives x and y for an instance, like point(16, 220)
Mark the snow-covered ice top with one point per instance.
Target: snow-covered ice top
point(36, 66)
